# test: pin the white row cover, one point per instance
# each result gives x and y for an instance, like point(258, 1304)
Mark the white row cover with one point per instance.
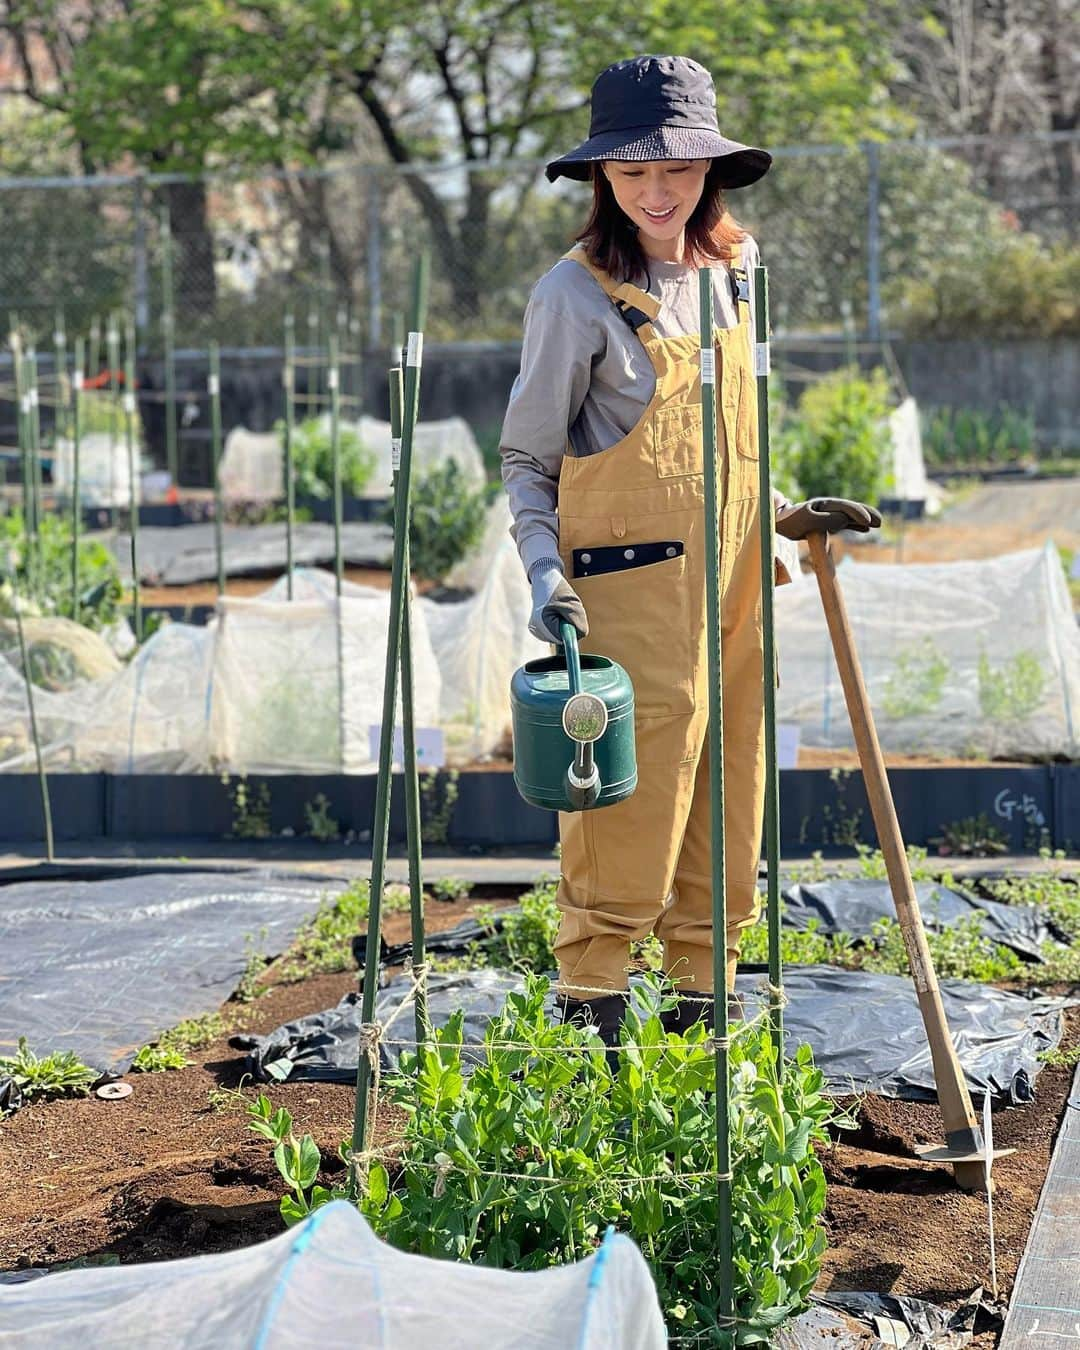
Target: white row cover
point(104, 479)
point(330, 1282)
point(252, 463)
point(966, 659)
point(973, 659)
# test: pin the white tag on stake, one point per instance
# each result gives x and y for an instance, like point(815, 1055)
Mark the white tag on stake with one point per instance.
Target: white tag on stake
point(34, 397)
point(395, 453)
point(332, 378)
point(24, 404)
point(416, 348)
point(761, 358)
point(708, 366)
point(213, 385)
point(77, 379)
point(129, 404)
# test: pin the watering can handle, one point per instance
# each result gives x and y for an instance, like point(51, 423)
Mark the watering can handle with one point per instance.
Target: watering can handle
point(573, 658)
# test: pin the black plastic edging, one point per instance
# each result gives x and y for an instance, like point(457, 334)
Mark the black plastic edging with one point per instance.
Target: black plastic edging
point(1030, 806)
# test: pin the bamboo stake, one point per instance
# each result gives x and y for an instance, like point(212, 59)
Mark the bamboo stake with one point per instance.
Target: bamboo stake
point(768, 581)
point(963, 1139)
point(288, 379)
point(408, 730)
point(213, 385)
point(168, 331)
point(133, 477)
point(725, 1319)
point(43, 785)
point(76, 504)
point(112, 346)
point(332, 379)
point(381, 825)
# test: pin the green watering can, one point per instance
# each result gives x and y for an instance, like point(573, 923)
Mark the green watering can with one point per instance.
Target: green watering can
point(573, 718)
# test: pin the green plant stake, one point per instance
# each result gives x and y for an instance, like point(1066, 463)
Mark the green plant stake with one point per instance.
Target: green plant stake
point(213, 385)
point(408, 734)
point(381, 824)
point(76, 507)
point(725, 1319)
point(35, 442)
point(768, 581)
point(112, 347)
point(133, 477)
point(168, 333)
point(332, 380)
point(288, 380)
point(43, 784)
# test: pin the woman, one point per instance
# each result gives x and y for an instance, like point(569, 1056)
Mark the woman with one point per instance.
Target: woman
point(602, 459)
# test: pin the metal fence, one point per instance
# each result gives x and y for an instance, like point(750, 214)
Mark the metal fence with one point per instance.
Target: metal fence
point(845, 232)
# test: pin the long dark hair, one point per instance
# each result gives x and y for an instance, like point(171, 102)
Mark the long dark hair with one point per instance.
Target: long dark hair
point(611, 243)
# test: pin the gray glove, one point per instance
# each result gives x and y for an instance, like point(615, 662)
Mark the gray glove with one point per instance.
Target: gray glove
point(554, 599)
point(825, 515)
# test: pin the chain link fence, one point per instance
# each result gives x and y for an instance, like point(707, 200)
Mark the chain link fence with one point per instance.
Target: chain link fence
point(846, 232)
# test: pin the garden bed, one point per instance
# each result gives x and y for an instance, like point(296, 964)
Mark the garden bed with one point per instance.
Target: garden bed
point(172, 1169)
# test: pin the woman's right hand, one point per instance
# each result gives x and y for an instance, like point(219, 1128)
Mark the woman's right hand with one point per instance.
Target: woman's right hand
point(554, 601)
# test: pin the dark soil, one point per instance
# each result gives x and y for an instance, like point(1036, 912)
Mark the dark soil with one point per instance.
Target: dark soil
point(172, 1170)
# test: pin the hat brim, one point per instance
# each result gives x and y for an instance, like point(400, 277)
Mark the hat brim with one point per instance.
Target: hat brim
point(743, 164)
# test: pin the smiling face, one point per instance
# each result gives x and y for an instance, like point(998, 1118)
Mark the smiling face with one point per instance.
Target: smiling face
point(659, 197)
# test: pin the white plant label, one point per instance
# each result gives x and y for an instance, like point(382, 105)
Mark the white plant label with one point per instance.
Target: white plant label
point(708, 366)
point(395, 453)
point(332, 378)
point(77, 379)
point(416, 348)
point(34, 397)
point(129, 404)
point(24, 403)
point(213, 385)
point(761, 358)
point(430, 745)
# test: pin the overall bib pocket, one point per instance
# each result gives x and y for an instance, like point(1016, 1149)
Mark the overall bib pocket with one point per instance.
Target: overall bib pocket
point(641, 619)
point(676, 432)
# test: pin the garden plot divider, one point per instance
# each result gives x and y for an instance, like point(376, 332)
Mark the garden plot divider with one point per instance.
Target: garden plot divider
point(1031, 806)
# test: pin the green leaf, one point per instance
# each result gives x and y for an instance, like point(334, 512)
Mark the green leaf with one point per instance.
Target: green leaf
point(378, 1184)
point(308, 1162)
point(293, 1209)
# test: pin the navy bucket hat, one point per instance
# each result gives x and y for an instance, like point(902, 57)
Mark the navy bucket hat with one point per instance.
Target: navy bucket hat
point(658, 107)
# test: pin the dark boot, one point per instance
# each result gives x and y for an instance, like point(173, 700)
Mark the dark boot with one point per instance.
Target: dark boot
point(604, 1012)
point(693, 1008)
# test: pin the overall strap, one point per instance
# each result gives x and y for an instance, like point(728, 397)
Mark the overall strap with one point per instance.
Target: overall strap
point(740, 285)
point(636, 306)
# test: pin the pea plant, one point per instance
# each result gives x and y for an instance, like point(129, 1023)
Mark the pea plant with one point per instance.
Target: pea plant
point(524, 1162)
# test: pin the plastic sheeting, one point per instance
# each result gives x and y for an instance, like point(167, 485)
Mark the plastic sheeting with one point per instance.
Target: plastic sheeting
point(104, 479)
point(855, 906)
point(865, 1030)
point(960, 658)
point(102, 967)
point(330, 1282)
point(182, 554)
point(910, 483)
point(252, 464)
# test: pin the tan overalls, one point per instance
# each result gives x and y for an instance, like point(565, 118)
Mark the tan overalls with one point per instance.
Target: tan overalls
point(645, 865)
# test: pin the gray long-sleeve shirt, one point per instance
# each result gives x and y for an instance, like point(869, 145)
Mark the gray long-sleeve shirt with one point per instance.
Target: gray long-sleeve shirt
point(585, 380)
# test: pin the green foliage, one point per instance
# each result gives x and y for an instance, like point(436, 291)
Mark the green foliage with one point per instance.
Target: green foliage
point(324, 943)
point(971, 837)
point(447, 520)
point(917, 681)
point(872, 865)
point(526, 940)
point(1058, 896)
point(250, 985)
point(1013, 690)
point(838, 442)
point(313, 461)
point(159, 1058)
point(101, 413)
point(994, 281)
point(965, 436)
point(46, 578)
point(959, 950)
point(524, 1163)
point(438, 797)
point(449, 889)
point(251, 808)
point(798, 947)
point(320, 823)
point(61, 1074)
